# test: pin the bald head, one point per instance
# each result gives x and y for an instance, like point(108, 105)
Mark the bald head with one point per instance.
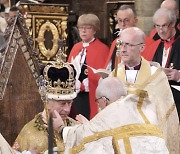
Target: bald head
point(172, 5)
point(135, 34)
point(111, 88)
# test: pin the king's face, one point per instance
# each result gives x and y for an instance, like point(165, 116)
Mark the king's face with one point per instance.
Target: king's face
point(63, 107)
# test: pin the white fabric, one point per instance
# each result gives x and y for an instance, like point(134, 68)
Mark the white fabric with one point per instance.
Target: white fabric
point(5, 147)
point(78, 86)
point(65, 133)
point(86, 84)
point(26, 152)
point(55, 151)
point(77, 67)
point(108, 68)
point(107, 119)
point(3, 24)
point(165, 56)
point(80, 58)
point(131, 76)
point(7, 10)
point(62, 97)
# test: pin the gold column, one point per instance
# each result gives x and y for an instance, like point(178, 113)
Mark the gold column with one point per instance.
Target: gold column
point(145, 10)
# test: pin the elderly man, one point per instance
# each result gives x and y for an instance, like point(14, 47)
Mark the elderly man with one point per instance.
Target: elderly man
point(173, 6)
point(126, 17)
point(121, 127)
point(58, 94)
point(166, 49)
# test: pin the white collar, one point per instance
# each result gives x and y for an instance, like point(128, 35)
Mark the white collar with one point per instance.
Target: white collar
point(86, 44)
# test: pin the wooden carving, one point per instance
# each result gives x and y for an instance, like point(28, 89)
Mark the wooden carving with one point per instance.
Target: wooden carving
point(47, 25)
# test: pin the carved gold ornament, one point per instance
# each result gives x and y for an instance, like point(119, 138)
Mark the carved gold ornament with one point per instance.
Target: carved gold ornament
point(48, 26)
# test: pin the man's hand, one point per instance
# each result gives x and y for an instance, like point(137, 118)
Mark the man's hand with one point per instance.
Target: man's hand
point(81, 119)
point(57, 122)
point(172, 74)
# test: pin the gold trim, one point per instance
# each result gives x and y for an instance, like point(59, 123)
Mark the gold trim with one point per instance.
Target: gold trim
point(172, 108)
point(123, 132)
point(139, 106)
point(127, 145)
point(115, 146)
point(142, 94)
point(48, 26)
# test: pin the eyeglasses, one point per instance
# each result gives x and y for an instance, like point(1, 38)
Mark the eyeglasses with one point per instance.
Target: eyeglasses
point(165, 26)
point(128, 45)
point(125, 21)
point(97, 99)
point(86, 28)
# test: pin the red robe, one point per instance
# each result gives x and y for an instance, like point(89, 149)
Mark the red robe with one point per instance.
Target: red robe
point(96, 57)
point(113, 45)
point(149, 52)
point(152, 33)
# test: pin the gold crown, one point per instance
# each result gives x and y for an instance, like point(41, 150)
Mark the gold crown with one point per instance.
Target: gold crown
point(60, 80)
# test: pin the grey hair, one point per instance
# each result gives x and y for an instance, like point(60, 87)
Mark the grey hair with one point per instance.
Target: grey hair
point(111, 88)
point(125, 7)
point(164, 11)
point(89, 19)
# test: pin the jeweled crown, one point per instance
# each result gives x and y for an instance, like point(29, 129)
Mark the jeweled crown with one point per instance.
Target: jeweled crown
point(60, 80)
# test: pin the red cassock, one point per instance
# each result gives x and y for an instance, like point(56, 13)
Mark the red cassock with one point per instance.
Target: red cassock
point(113, 45)
point(149, 52)
point(96, 57)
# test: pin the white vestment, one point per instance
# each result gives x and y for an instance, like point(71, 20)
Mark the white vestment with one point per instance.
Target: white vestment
point(119, 128)
point(5, 147)
point(145, 121)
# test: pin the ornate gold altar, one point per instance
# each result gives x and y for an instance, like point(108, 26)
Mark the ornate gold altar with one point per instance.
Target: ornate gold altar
point(47, 25)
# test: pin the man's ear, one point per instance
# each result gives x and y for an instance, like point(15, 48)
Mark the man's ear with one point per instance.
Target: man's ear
point(173, 24)
point(142, 47)
point(136, 21)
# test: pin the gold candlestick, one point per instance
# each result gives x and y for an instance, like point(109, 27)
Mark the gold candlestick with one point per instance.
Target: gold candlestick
point(118, 44)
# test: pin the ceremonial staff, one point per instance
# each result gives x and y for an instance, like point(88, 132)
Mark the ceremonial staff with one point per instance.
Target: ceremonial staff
point(118, 45)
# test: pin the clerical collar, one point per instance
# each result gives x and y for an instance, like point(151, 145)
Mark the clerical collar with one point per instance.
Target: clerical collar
point(86, 44)
point(137, 67)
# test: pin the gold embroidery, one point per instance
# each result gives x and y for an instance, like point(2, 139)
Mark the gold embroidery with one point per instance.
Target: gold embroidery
point(39, 123)
point(115, 146)
point(127, 145)
point(167, 115)
point(142, 94)
point(139, 107)
point(121, 133)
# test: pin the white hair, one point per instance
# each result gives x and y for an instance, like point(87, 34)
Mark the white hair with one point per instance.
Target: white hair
point(111, 88)
point(164, 11)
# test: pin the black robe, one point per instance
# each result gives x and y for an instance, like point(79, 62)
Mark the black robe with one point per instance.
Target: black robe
point(175, 59)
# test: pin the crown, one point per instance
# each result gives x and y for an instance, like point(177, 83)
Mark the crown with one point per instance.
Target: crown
point(59, 79)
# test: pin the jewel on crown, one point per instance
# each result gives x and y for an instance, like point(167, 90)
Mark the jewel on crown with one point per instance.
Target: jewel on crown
point(59, 77)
